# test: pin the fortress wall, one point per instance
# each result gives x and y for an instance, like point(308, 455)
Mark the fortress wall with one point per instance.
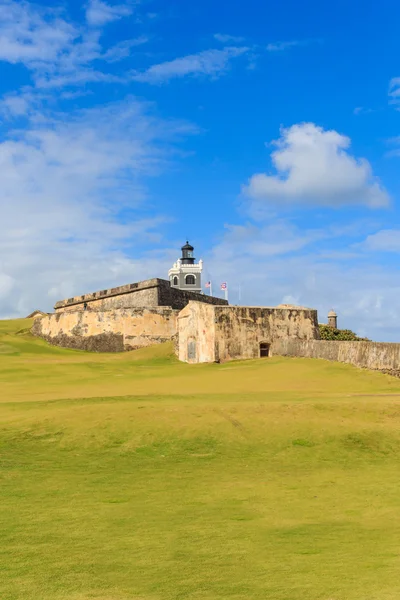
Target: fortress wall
point(169, 296)
point(196, 333)
point(147, 297)
point(144, 293)
point(370, 355)
point(152, 292)
point(239, 330)
point(109, 331)
point(223, 333)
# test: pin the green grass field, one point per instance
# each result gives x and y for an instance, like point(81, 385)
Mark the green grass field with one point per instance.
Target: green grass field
point(136, 477)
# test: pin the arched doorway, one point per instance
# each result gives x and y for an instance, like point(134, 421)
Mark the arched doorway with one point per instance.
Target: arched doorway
point(264, 350)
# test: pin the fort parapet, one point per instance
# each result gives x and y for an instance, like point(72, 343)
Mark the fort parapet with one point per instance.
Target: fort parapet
point(121, 318)
point(148, 293)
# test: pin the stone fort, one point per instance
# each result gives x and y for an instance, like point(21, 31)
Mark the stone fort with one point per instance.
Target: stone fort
point(204, 328)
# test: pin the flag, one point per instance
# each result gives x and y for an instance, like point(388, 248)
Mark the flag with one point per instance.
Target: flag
point(224, 286)
point(208, 284)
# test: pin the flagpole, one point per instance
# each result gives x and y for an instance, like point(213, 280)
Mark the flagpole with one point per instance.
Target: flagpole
point(226, 293)
point(210, 288)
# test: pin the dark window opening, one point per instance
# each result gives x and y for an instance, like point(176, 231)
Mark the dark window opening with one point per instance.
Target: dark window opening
point(264, 350)
point(175, 281)
point(190, 280)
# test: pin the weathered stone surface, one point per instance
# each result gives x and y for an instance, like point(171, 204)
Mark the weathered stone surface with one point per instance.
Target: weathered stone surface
point(108, 331)
point(371, 355)
point(178, 299)
point(220, 333)
point(149, 293)
point(196, 333)
point(103, 342)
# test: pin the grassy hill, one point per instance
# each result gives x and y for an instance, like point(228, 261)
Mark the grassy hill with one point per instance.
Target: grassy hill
point(136, 477)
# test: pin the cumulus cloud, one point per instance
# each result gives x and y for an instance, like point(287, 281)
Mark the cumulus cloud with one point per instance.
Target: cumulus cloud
point(208, 62)
point(314, 166)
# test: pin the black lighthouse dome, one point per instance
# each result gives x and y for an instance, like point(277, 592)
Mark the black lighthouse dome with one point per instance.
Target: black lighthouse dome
point(187, 254)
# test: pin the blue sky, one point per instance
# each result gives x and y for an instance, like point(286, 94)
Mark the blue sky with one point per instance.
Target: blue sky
point(266, 133)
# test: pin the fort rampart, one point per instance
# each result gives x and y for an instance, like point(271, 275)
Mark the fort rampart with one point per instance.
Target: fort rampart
point(152, 292)
point(378, 356)
point(222, 333)
point(108, 331)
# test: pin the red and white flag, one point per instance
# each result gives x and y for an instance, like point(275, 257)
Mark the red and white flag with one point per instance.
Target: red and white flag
point(208, 284)
point(224, 286)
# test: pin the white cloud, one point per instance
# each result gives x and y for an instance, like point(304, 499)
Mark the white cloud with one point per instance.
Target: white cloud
point(18, 104)
point(314, 167)
point(31, 34)
point(386, 240)
point(208, 62)
point(76, 78)
point(66, 182)
point(99, 13)
point(228, 39)
point(123, 49)
point(274, 239)
point(56, 52)
point(362, 110)
point(394, 90)
point(280, 46)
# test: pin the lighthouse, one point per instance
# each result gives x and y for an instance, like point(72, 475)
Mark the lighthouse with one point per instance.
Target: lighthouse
point(186, 273)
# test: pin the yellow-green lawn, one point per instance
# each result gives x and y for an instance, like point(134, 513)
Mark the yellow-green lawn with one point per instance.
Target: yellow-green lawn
point(135, 477)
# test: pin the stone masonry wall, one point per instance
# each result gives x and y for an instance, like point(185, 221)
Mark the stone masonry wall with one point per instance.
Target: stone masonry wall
point(147, 297)
point(168, 296)
point(223, 333)
point(196, 333)
point(239, 330)
point(370, 355)
point(152, 292)
point(132, 295)
point(108, 331)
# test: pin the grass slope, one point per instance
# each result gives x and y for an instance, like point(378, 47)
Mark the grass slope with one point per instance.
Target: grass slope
point(135, 477)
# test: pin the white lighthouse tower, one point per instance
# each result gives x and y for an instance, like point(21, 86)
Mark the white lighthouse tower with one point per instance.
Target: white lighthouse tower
point(185, 273)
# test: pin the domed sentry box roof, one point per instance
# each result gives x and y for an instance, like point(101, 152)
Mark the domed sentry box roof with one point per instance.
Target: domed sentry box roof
point(332, 313)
